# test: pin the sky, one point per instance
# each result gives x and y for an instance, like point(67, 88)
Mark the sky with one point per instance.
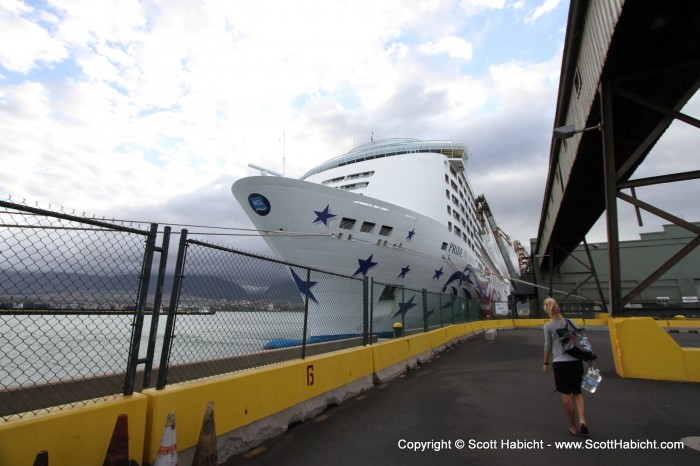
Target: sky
point(150, 110)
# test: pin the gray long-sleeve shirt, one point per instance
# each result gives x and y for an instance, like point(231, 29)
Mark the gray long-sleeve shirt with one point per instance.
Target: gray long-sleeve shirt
point(552, 343)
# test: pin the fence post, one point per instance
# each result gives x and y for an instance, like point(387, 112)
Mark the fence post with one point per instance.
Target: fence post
point(365, 310)
point(133, 360)
point(157, 300)
point(425, 310)
point(371, 310)
point(306, 313)
point(403, 314)
point(456, 300)
point(170, 321)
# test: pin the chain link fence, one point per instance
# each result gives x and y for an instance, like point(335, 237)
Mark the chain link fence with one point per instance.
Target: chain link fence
point(81, 300)
point(235, 310)
point(71, 289)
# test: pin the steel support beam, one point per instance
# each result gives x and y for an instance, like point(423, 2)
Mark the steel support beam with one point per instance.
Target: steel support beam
point(652, 180)
point(659, 108)
point(610, 180)
point(594, 273)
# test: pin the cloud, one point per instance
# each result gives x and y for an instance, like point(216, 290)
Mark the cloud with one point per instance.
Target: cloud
point(546, 7)
point(153, 110)
point(23, 42)
point(455, 47)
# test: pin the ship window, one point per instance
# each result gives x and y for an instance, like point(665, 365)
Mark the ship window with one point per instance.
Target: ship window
point(334, 180)
point(452, 170)
point(447, 193)
point(455, 214)
point(347, 223)
point(367, 227)
point(449, 210)
point(454, 185)
point(454, 199)
point(577, 82)
point(355, 176)
point(350, 187)
point(457, 231)
point(385, 230)
point(444, 246)
point(447, 179)
point(449, 226)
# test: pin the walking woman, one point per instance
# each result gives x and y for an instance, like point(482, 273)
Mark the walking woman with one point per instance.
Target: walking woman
point(568, 371)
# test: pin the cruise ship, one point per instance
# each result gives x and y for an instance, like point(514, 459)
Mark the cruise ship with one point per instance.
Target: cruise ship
point(400, 211)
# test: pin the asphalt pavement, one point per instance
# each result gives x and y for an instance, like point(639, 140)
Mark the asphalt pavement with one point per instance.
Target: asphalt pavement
point(488, 402)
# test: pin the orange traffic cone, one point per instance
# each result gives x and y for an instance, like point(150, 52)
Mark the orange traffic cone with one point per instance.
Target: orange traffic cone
point(118, 451)
point(42, 458)
point(205, 452)
point(167, 451)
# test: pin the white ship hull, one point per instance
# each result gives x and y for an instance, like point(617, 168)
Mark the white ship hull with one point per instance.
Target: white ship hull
point(349, 233)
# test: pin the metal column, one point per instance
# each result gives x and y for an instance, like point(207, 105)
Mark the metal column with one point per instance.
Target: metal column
point(610, 179)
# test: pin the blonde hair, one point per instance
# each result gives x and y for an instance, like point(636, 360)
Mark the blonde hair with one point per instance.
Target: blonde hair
point(551, 306)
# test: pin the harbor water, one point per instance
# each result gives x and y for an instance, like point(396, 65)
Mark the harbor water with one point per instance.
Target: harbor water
point(46, 348)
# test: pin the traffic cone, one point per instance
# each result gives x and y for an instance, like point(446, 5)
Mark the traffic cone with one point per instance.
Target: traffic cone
point(42, 458)
point(118, 451)
point(205, 451)
point(167, 451)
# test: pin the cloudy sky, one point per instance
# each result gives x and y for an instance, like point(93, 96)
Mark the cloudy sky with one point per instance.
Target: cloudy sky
point(150, 110)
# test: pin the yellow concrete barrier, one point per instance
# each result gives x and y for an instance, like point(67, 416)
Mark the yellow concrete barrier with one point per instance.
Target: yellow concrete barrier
point(642, 349)
point(248, 396)
point(392, 358)
point(595, 322)
point(525, 323)
point(684, 323)
point(438, 338)
point(73, 435)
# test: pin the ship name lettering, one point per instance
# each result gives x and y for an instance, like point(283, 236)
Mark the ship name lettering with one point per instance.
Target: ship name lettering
point(454, 249)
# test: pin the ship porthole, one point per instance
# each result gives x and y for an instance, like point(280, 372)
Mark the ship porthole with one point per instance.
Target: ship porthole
point(259, 204)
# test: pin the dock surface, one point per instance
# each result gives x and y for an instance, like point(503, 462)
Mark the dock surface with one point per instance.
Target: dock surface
point(493, 397)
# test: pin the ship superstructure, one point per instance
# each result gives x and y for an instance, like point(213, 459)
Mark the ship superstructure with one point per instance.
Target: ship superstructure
point(401, 211)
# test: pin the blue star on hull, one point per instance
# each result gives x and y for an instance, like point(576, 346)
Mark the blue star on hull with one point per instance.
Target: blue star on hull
point(324, 215)
point(404, 307)
point(404, 271)
point(365, 265)
point(438, 273)
point(301, 285)
point(410, 234)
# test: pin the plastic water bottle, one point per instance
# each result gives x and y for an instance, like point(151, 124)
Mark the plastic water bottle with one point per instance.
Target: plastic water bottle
point(591, 380)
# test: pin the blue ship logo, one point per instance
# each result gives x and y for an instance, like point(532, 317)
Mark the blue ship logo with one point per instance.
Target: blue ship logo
point(259, 204)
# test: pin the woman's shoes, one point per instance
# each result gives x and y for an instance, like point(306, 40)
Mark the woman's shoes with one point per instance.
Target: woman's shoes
point(582, 430)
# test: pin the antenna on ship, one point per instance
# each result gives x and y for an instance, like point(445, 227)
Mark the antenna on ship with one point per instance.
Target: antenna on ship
point(371, 138)
point(284, 150)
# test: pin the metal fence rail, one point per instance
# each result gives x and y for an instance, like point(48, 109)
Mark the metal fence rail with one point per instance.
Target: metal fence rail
point(72, 290)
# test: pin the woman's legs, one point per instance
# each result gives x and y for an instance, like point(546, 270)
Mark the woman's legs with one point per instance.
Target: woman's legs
point(570, 411)
point(578, 401)
point(567, 378)
point(574, 404)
